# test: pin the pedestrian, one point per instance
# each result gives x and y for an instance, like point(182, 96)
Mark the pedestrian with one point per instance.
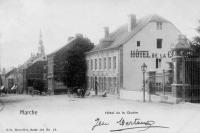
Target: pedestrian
point(96, 88)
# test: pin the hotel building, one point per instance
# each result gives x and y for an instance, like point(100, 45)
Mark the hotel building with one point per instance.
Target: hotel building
point(115, 63)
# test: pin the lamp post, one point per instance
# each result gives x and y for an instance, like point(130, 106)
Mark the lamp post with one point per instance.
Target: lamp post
point(163, 82)
point(143, 68)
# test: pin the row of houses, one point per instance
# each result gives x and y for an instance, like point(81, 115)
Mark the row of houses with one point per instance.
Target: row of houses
point(40, 69)
point(114, 65)
point(21, 78)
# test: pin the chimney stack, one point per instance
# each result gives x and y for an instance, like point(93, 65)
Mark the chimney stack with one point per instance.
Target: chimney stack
point(131, 22)
point(106, 31)
point(70, 38)
point(79, 35)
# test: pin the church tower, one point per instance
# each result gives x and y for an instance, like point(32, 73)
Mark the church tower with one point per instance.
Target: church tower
point(41, 51)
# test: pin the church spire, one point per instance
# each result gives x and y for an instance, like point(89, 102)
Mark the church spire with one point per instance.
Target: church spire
point(41, 50)
point(40, 38)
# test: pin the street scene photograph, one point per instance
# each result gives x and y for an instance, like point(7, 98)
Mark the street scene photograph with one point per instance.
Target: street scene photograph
point(99, 66)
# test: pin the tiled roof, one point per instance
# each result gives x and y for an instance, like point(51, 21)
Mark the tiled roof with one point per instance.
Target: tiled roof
point(32, 60)
point(11, 71)
point(66, 45)
point(121, 35)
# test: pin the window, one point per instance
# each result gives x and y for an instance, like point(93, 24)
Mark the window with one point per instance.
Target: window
point(91, 83)
point(44, 76)
point(159, 25)
point(158, 63)
point(138, 43)
point(159, 43)
point(50, 66)
point(91, 64)
point(44, 67)
point(88, 83)
point(101, 83)
point(109, 62)
point(104, 63)
point(105, 81)
point(115, 82)
point(114, 62)
point(109, 84)
point(99, 63)
point(88, 64)
point(95, 67)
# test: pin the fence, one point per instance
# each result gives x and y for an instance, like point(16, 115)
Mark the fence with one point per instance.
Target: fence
point(187, 82)
point(192, 79)
point(160, 83)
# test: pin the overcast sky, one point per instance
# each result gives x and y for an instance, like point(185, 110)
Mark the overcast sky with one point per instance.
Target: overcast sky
point(21, 21)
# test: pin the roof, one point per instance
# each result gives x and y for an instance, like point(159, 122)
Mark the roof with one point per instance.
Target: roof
point(36, 61)
point(73, 39)
point(121, 35)
point(11, 71)
point(31, 61)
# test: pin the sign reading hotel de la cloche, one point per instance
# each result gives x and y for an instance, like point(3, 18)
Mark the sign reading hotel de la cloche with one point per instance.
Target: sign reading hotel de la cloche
point(147, 54)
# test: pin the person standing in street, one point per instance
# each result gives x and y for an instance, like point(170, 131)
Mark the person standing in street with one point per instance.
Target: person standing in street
point(96, 87)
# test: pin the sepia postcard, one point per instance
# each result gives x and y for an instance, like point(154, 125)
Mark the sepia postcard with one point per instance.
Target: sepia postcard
point(99, 66)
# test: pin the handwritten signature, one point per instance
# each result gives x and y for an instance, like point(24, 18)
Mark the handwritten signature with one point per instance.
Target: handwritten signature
point(136, 123)
point(99, 123)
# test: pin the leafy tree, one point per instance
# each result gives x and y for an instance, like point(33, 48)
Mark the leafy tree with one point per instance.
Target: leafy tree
point(75, 66)
point(193, 68)
point(195, 45)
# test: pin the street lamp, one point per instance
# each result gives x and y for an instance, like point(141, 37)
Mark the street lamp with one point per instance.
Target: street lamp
point(144, 68)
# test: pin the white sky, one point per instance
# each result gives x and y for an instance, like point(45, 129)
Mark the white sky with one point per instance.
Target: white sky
point(21, 21)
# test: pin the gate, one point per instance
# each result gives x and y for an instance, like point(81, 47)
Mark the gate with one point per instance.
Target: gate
point(192, 79)
point(159, 83)
point(182, 82)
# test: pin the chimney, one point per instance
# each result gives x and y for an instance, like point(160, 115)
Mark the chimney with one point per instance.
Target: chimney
point(79, 35)
point(106, 31)
point(131, 22)
point(70, 38)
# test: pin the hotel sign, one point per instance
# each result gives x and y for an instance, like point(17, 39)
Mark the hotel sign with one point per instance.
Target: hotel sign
point(147, 54)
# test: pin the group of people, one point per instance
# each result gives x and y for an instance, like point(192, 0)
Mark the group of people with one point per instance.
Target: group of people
point(3, 89)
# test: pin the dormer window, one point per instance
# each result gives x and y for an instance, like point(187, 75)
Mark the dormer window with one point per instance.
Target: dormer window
point(159, 25)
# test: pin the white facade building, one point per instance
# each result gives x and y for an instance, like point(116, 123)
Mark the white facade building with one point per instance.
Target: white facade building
point(115, 63)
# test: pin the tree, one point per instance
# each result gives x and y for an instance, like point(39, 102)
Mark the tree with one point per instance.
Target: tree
point(75, 66)
point(195, 45)
point(193, 66)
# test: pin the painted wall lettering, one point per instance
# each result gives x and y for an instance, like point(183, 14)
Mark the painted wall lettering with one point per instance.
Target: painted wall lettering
point(147, 54)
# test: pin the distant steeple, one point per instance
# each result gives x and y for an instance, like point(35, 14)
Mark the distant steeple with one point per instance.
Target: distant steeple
point(41, 50)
